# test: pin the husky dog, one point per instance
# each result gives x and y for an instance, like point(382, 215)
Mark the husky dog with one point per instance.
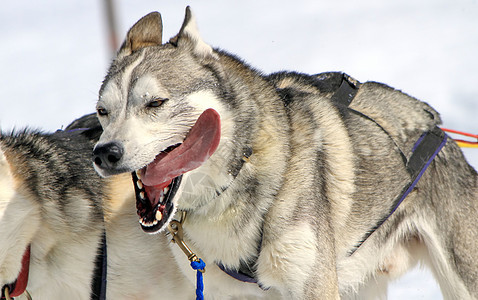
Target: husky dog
point(52, 204)
point(279, 181)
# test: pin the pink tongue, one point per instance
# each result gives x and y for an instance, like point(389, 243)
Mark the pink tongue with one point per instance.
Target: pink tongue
point(200, 143)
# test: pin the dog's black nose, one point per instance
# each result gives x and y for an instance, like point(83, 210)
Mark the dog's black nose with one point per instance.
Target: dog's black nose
point(107, 155)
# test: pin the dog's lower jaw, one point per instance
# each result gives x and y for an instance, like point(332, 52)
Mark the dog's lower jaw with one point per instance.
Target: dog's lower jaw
point(155, 208)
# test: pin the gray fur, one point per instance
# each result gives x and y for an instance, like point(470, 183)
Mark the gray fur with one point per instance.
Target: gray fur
point(320, 175)
point(52, 199)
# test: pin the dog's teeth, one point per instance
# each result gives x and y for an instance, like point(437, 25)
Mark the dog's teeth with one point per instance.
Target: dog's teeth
point(141, 194)
point(147, 224)
point(161, 198)
point(138, 174)
point(155, 222)
point(159, 215)
point(139, 184)
point(165, 190)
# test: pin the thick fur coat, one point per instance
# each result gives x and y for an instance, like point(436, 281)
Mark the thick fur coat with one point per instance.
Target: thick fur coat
point(276, 177)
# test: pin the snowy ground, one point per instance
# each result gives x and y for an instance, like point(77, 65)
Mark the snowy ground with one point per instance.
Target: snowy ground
point(54, 54)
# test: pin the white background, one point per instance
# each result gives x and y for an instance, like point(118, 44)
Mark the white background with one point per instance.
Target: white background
point(54, 54)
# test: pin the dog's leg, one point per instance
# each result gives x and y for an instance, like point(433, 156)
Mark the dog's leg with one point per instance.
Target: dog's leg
point(298, 265)
point(448, 226)
point(445, 269)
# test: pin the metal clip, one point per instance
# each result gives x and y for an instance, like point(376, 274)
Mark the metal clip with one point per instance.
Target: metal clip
point(176, 230)
point(246, 154)
point(7, 294)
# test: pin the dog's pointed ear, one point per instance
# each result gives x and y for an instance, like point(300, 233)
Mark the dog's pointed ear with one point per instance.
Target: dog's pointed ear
point(189, 36)
point(148, 31)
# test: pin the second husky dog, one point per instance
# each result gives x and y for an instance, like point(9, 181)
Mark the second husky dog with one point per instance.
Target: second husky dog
point(51, 223)
point(285, 179)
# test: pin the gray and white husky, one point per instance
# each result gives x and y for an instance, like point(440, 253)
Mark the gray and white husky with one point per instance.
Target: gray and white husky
point(52, 204)
point(279, 180)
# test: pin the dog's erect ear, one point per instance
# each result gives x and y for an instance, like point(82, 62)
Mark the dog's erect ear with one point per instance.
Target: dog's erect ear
point(189, 36)
point(148, 31)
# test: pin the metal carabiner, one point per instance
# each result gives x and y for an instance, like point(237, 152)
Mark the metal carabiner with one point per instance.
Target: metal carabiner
point(176, 230)
point(7, 294)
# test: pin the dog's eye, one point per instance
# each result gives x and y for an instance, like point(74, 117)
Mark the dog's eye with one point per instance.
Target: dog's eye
point(102, 111)
point(156, 102)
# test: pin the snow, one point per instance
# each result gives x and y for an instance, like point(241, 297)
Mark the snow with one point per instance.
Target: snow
point(54, 55)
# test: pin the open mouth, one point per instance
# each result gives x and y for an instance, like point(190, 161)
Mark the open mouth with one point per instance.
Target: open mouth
point(156, 185)
point(154, 204)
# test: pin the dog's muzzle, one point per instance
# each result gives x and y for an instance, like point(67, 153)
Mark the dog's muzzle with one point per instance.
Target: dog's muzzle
point(105, 156)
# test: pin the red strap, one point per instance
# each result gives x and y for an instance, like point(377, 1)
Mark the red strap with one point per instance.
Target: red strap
point(20, 284)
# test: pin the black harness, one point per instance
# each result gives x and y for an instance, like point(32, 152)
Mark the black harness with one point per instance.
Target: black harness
point(98, 285)
point(423, 153)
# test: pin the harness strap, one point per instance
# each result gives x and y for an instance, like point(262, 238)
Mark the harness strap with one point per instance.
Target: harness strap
point(425, 150)
point(244, 273)
point(98, 285)
point(346, 91)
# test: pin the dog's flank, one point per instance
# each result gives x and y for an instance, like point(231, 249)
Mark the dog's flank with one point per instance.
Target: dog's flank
point(52, 201)
point(297, 178)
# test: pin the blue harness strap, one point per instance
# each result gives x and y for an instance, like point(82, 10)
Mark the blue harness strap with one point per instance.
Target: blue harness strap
point(98, 285)
point(424, 152)
point(239, 274)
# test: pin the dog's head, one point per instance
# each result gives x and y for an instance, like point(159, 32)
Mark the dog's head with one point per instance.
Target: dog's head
point(163, 120)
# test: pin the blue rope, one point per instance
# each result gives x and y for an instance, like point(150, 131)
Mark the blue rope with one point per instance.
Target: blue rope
point(199, 266)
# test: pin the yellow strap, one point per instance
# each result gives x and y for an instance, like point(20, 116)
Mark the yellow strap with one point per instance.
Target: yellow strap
point(467, 145)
